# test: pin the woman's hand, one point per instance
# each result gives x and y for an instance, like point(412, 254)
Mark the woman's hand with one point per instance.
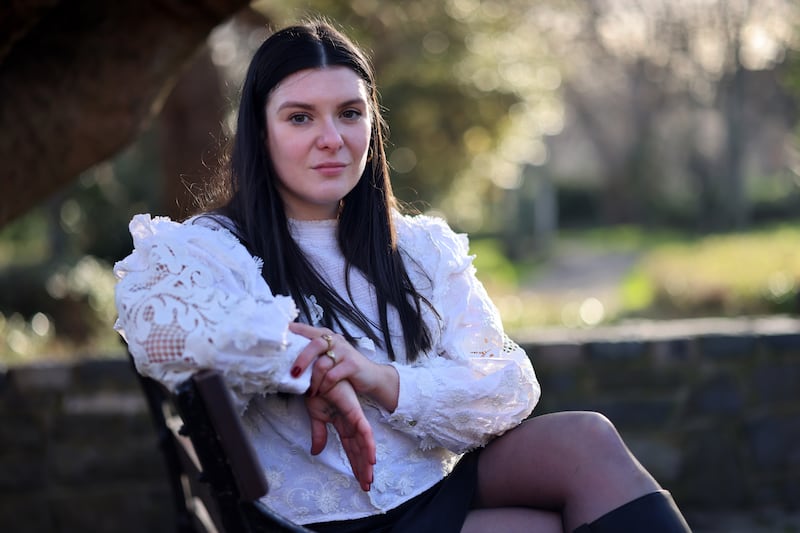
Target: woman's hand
point(378, 381)
point(339, 406)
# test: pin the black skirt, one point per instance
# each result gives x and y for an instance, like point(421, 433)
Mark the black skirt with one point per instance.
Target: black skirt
point(440, 509)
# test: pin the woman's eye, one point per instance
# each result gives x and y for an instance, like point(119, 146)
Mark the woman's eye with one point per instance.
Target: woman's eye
point(298, 119)
point(351, 114)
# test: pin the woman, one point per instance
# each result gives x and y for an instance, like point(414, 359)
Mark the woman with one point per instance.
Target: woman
point(322, 304)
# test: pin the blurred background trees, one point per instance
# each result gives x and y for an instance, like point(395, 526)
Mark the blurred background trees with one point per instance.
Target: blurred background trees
point(519, 121)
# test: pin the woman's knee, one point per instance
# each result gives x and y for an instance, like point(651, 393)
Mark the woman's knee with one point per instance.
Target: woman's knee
point(553, 444)
point(602, 447)
point(594, 426)
point(597, 434)
point(578, 427)
point(550, 458)
point(588, 436)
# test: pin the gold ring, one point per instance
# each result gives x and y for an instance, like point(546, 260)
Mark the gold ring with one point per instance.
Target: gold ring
point(332, 355)
point(329, 339)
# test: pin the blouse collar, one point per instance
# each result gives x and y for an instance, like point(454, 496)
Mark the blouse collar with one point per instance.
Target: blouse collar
point(319, 233)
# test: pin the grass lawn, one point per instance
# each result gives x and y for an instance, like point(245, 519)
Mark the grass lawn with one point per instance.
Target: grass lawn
point(665, 275)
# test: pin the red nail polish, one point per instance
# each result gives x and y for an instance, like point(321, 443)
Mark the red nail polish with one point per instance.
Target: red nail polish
point(296, 371)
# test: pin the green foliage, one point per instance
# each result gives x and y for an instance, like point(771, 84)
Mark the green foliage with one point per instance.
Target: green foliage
point(725, 275)
point(493, 267)
point(638, 292)
point(790, 75)
point(21, 241)
point(56, 284)
point(624, 237)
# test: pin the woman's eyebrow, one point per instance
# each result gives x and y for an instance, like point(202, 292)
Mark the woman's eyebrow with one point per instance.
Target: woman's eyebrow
point(305, 105)
point(291, 104)
point(354, 101)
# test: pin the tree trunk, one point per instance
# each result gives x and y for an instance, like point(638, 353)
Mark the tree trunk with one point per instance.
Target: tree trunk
point(190, 131)
point(83, 80)
point(191, 125)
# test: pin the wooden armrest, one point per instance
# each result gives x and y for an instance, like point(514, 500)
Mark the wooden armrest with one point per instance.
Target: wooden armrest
point(248, 472)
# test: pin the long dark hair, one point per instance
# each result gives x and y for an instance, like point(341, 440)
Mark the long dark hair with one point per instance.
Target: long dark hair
point(366, 233)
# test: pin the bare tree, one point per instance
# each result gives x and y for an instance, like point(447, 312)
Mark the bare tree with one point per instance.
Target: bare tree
point(638, 75)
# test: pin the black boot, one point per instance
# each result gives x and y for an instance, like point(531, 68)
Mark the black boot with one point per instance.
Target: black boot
point(652, 513)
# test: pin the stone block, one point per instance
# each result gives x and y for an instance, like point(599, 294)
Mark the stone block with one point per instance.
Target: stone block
point(781, 343)
point(711, 473)
point(123, 508)
point(671, 351)
point(558, 383)
point(22, 469)
point(616, 349)
point(53, 377)
point(70, 464)
point(776, 383)
point(726, 346)
point(661, 457)
point(717, 395)
point(27, 511)
point(778, 493)
point(21, 430)
point(556, 355)
point(89, 449)
point(637, 376)
point(27, 394)
point(766, 492)
point(617, 376)
point(105, 402)
point(100, 426)
point(773, 442)
point(637, 413)
point(104, 374)
point(791, 491)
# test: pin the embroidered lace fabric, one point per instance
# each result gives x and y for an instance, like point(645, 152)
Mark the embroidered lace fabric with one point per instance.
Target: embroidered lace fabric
point(191, 296)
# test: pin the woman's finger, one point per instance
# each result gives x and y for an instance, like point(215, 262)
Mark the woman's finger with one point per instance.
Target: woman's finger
point(357, 464)
point(322, 367)
point(317, 344)
point(319, 436)
point(332, 375)
point(306, 330)
point(359, 447)
point(354, 431)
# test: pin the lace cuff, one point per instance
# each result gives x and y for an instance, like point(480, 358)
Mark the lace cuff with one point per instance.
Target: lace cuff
point(192, 297)
point(462, 405)
point(476, 383)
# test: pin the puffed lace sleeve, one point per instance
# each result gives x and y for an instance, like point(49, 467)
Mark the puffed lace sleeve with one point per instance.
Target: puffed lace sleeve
point(477, 383)
point(190, 296)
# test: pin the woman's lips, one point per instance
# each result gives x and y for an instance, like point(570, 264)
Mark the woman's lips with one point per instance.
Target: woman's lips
point(330, 169)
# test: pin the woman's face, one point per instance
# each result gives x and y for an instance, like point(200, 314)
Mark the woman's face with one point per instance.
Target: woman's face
point(318, 133)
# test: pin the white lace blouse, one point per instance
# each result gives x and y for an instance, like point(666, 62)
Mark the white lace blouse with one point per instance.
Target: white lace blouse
point(191, 296)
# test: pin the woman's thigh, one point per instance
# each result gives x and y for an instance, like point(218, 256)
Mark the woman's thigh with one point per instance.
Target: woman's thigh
point(568, 462)
point(512, 520)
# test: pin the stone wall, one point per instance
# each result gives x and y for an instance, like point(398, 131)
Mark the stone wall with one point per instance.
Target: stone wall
point(712, 408)
point(78, 452)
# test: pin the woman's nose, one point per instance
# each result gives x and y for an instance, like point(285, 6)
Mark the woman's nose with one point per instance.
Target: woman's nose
point(330, 137)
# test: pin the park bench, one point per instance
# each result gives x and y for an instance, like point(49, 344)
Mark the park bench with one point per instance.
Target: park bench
point(215, 475)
